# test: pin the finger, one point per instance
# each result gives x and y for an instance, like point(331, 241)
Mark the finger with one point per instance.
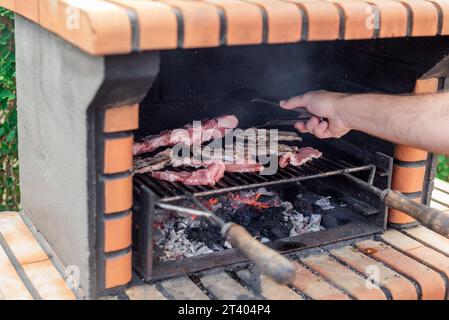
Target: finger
point(301, 127)
point(312, 123)
point(294, 102)
point(320, 130)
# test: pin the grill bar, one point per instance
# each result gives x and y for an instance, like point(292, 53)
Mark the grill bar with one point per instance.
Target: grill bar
point(319, 168)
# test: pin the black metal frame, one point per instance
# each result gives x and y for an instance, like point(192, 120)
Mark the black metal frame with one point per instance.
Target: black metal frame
point(148, 192)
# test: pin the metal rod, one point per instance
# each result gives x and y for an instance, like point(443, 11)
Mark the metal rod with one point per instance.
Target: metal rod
point(180, 209)
point(201, 213)
point(372, 175)
point(364, 185)
point(272, 183)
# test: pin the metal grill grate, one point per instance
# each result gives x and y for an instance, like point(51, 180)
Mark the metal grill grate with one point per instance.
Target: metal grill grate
point(319, 168)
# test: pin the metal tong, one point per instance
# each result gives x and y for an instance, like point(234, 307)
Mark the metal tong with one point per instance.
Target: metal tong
point(303, 115)
point(269, 261)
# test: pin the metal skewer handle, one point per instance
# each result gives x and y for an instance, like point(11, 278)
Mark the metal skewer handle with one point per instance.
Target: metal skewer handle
point(431, 218)
point(269, 261)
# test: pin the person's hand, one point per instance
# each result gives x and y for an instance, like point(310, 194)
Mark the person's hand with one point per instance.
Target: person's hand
point(322, 104)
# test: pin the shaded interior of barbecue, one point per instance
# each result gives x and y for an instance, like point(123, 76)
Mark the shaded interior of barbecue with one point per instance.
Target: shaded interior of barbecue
point(298, 207)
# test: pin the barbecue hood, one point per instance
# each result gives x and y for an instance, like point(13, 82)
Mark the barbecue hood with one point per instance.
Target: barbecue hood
point(78, 102)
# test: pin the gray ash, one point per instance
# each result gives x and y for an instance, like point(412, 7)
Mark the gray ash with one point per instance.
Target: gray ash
point(264, 213)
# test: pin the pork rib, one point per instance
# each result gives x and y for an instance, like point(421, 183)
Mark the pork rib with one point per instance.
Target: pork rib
point(210, 129)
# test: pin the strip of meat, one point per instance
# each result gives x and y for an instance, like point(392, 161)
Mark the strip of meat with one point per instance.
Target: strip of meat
point(298, 158)
point(155, 163)
point(244, 167)
point(209, 129)
point(202, 177)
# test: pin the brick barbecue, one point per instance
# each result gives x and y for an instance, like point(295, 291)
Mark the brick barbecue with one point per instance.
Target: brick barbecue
point(93, 76)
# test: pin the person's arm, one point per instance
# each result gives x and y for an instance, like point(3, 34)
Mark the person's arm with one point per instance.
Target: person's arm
point(420, 121)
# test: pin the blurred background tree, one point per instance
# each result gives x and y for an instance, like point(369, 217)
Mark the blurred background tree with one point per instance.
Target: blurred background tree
point(9, 166)
point(443, 167)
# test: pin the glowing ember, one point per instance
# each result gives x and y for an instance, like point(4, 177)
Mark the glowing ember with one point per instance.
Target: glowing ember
point(268, 215)
point(251, 201)
point(213, 201)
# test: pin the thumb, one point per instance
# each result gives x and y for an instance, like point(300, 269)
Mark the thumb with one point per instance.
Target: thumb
point(294, 102)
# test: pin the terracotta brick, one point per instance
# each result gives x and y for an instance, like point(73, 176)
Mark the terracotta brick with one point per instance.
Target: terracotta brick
point(426, 85)
point(431, 283)
point(405, 153)
point(48, 282)
point(356, 14)
point(91, 25)
point(118, 270)
point(244, 21)
point(124, 118)
point(223, 287)
point(323, 19)
point(418, 251)
point(183, 289)
point(144, 292)
point(157, 23)
point(201, 23)
point(266, 287)
point(20, 239)
point(11, 286)
point(8, 4)
point(425, 17)
point(430, 238)
point(399, 287)
point(439, 206)
point(441, 185)
point(444, 5)
point(117, 233)
point(118, 194)
point(393, 18)
point(343, 277)
point(316, 287)
point(284, 21)
point(118, 155)
point(399, 217)
point(28, 8)
point(408, 179)
point(440, 196)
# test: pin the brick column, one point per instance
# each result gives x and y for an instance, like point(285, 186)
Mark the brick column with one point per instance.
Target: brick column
point(114, 177)
point(410, 167)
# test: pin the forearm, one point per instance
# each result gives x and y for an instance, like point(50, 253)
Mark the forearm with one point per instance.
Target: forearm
point(421, 121)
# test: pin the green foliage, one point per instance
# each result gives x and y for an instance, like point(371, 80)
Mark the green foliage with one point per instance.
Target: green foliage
point(443, 167)
point(9, 165)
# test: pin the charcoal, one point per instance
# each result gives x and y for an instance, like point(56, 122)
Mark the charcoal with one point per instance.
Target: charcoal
point(304, 206)
point(264, 213)
point(209, 235)
point(329, 221)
